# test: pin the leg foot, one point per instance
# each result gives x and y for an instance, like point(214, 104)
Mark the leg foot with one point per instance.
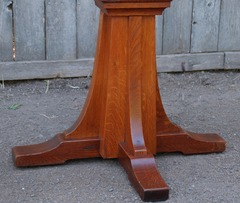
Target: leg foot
point(143, 174)
point(190, 143)
point(172, 138)
point(55, 151)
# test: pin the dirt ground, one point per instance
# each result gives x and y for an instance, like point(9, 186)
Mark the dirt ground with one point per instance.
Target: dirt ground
point(34, 111)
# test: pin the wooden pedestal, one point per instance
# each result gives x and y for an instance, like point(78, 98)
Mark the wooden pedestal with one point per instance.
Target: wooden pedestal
point(123, 116)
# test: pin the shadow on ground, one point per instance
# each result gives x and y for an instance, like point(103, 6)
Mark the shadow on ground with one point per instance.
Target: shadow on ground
point(34, 111)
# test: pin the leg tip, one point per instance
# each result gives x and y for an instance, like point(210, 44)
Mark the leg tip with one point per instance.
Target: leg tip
point(161, 194)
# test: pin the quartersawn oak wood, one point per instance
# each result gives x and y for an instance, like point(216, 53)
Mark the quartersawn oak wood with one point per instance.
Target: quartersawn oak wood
point(172, 138)
point(143, 174)
point(56, 151)
point(123, 116)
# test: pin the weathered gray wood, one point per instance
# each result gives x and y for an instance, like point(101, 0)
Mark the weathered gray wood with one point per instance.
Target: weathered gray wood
point(205, 25)
point(229, 39)
point(29, 29)
point(159, 34)
point(177, 27)
point(6, 53)
point(87, 28)
point(232, 60)
point(190, 62)
point(45, 69)
point(61, 29)
point(71, 30)
point(83, 67)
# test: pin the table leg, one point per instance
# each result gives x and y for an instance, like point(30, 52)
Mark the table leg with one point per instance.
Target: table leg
point(172, 138)
point(143, 174)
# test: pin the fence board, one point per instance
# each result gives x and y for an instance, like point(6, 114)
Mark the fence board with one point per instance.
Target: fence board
point(60, 29)
point(232, 60)
point(159, 34)
point(29, 29)
point(190, 62)
point(6, 30)
point(205, 25)
point(229, 39)
point(87, 27)
point(83, 67)
point(70, 31)
point(177, 27)
point(45, 69)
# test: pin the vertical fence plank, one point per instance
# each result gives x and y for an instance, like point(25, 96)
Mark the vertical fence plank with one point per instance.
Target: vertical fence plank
point(29, 29)
point(87, 26)
point(6, 53)
point(205, 25)
point(177, 27)
point(159, 31)
point(229, 39)
point(60, 29)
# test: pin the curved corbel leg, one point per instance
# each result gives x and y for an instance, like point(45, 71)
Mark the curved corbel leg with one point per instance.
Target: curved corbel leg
point(82, 139)
point(136, 152)
point(135, 156)
point(172, 138)
point(143, 174)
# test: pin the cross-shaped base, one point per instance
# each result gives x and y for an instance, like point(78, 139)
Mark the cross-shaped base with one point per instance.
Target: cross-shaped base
point(123, 116)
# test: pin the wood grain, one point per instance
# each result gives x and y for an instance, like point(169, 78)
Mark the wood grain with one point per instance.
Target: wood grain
point(144, 176)
point(132, 8)
point(232, 60)
point(172, 138)
point(196, 143)
point(87, 27)
point(46, 69)
point(191, 62)
point(88, 122)
point(134, 134)
point(177, 27)
point(149, 81)
point(6, 51)
point(205, 25)
point(29, 30)
point(210, 24)
point(229, 26)
point(113, 112)
point(55, 151)
point(159, 34)
point(123, 116)
point(61, 39)
point(84, 67)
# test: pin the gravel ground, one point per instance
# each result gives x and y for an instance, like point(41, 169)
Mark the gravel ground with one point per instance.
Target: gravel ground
point(200, 102)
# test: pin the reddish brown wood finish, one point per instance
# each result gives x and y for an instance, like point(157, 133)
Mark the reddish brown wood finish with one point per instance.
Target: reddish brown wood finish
point(123, 116)
point(56, 151)
point(143, 174)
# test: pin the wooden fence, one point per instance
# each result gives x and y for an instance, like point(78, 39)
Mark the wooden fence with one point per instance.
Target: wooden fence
point(56, 38)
